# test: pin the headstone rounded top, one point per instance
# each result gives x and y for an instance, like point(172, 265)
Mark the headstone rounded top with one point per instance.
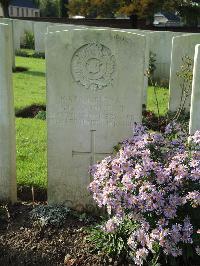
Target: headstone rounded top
point(93, 66)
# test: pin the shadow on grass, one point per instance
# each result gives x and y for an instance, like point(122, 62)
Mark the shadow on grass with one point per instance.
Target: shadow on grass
point(30, 111)
point(35, 73)
point(20, 69)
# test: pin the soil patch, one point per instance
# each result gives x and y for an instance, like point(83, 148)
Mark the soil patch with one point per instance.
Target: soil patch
point(26, 193)
point(30, 111)
point(22, 242)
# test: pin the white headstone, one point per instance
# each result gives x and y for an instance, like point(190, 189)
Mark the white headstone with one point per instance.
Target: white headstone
point(146, 62)
point(40, 29)
point(94, 96)
point(160, 43)
point(182, 46)
point(61, 27)
point(11, 33)
point(195, 98)
point(20, 27)
point(8, 191)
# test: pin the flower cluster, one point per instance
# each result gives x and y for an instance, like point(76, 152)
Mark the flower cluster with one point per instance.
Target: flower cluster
point(154, 181)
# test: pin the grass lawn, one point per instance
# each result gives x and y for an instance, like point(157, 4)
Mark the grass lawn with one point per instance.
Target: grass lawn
point(29, 88)
point(31, 152)
point(162, 96)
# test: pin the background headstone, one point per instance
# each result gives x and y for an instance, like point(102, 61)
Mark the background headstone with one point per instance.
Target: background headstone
point(160, 44)
point(94, 96)
point(11, 33)
point(20, 27)
point(182, 46)
point(61, 27)
point(195, 98)
point(8, 190)
point(40, 29)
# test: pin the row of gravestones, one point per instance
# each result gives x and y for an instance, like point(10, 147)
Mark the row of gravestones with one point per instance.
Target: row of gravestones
point(159, 43)
point(95, 85)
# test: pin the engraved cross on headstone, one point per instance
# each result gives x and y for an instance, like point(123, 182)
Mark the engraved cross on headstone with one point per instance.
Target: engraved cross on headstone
point(92, 151)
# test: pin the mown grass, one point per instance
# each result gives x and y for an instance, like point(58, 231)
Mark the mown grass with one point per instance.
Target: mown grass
point(162, 96)
point(29, 86)
point(31, 152)
point(29, 89)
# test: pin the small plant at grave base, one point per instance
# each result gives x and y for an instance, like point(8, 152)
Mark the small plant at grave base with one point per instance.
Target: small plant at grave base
point(29, 42)
point(38, 55)
point(186, 75)
point(29, 53)
point(41, 115)
point(47, 215)
point(151, 192)
point(150, 73)
point(23, 53)
point(152, 65)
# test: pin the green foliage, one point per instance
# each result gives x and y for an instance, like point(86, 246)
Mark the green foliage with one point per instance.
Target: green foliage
point(31, 139)
point(185, 75)
point(49, 8)
point(152, 63)
point(63, 8)
point(141, 8)
point(41, 115)
point(31, 142)
point(47, 215)
point(29, 53)
point(29, 41)
point(22, 53)
point(91, 8)
point(38, 55)
point(112, 244)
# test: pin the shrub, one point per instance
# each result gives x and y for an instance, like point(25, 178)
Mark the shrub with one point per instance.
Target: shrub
point(27, 53)
point(38, 55)
point(41, 115)
point(153, 182)
point(29, 42)
point(22, 53)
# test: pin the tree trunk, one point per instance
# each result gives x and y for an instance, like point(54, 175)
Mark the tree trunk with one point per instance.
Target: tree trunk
point(63, 8)
point(5, 11)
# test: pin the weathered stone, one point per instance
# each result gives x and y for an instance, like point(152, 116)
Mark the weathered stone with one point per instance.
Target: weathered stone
point(61, 27)
point(195, 98)
point(94, 96)
point(8, 191)
point(11, 33)
point(40, 29)
point(20, 27)
point(182, 46)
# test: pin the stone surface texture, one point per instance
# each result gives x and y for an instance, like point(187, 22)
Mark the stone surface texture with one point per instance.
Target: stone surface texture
point(40, 29)
point(195, 98)
point(61, 27)
point(11, 34)
point(20, 27)
point(8, 191)
point(94, 97)
point(182, 46)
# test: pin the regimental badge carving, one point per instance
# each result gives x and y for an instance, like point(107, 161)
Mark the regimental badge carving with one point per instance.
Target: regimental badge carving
point(93, 66)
